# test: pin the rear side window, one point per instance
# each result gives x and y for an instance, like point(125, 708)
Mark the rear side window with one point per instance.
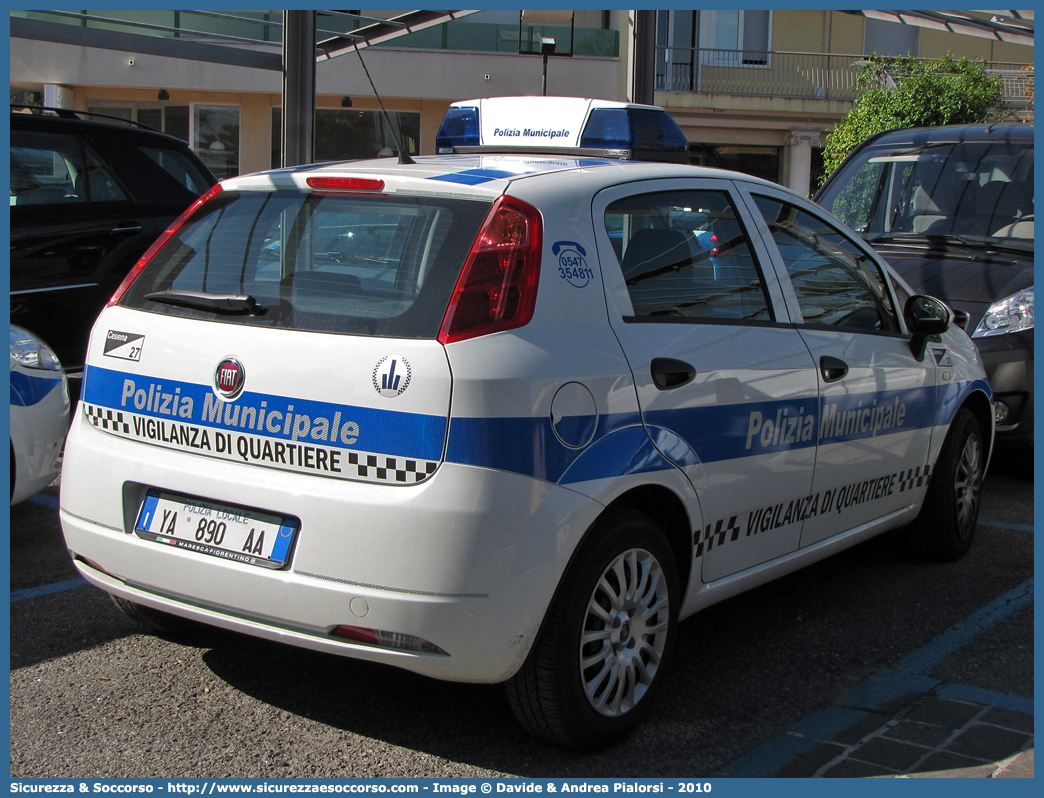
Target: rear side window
point(50, 168)
point(363, 264)
point(178, 166)
point(684, 255)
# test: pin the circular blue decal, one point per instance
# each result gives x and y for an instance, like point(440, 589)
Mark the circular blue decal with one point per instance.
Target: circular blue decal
point(572, 267)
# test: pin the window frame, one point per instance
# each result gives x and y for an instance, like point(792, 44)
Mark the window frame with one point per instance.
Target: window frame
point(750, 190)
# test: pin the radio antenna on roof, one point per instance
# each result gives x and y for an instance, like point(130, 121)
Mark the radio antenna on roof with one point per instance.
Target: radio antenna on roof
point(404, 157)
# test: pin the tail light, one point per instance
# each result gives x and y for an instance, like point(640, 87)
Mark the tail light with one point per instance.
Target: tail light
point(167, 234)
point(497, 288)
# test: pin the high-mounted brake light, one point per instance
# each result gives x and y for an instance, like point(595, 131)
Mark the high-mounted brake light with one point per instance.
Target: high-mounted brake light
point(345, 183)
point(165, 236)
point(497, 288)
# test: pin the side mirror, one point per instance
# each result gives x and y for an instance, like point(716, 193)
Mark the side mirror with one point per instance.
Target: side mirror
point(925, 316)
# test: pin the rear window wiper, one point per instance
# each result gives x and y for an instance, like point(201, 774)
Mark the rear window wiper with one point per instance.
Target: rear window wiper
point(218, 303)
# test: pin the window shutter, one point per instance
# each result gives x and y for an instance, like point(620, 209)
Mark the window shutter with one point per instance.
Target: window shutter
point(890, 38)
point(755, 37)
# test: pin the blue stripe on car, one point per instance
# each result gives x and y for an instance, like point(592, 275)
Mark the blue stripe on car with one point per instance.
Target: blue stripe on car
point(472, 177)
point(693, 435)
point(411, 435)
point(27, 391)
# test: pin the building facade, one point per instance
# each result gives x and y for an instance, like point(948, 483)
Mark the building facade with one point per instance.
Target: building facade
point(752, 90)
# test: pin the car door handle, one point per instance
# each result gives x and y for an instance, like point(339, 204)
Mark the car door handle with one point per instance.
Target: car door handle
point(669, 373)
point(127, 227)
point(832, 368)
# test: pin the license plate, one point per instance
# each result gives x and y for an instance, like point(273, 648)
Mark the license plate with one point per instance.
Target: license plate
point(234, 533)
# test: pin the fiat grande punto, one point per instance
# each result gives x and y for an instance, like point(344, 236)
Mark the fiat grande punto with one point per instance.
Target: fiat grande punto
point(509, 416)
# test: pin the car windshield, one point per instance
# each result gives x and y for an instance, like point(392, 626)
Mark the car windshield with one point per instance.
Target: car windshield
point(973, 191)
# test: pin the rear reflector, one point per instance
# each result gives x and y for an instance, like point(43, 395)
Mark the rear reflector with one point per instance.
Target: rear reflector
point(497, 288)
point(345, 183)
point(396, 640)
point(167, 234)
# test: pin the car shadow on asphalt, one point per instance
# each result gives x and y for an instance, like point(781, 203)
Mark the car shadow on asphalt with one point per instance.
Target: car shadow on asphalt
point(783, 646)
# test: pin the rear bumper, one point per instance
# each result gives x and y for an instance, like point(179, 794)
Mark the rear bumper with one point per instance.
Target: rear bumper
point(467, 560)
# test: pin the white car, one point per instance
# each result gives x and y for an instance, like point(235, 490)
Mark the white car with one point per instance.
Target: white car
point(39, 414)
point(521, 438)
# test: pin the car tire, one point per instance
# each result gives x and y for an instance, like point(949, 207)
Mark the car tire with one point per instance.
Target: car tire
point(946, 525)
point(629, 637)
point(157, 621)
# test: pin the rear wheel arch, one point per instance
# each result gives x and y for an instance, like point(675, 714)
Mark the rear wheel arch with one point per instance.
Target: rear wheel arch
point(599, 659)
point(666, 509)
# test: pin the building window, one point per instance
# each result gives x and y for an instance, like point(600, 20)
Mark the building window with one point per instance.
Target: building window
point(763, 162)
point(170, 119)
point(215, 138)
point(349, 134)
point(736, 38)
point(890, 38)
point(212, 131)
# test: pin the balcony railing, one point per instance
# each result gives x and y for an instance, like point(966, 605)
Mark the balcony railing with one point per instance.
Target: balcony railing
point(753, 73)
point(265, 27)
point(775, 73)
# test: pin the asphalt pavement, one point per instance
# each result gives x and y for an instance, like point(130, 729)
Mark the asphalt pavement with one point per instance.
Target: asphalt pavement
point(869, 664)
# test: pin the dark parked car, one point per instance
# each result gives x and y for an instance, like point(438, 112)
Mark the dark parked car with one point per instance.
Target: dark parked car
point(951, 209)
point(87, 199)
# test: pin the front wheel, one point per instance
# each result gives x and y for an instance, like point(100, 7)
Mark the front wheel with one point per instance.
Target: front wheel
point(600, 658)
point(946, 525)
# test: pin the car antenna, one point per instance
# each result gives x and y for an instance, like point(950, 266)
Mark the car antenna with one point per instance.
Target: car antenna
point(404, 157)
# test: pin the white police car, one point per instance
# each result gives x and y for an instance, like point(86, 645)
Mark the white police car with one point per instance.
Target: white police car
point(39, 414)
point(501, 417)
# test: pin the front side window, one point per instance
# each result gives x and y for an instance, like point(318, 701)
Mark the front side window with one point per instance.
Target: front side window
point(836, 283)
point(367, 265)
point(685, 256)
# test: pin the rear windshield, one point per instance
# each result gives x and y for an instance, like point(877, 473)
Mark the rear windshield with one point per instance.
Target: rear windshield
point(966, 190)
point(365, 264)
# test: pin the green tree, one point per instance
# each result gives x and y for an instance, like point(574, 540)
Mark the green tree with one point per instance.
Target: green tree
point(910, 92)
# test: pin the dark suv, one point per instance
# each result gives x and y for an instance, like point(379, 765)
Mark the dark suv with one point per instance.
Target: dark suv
point(951, 209)
point(87, 200)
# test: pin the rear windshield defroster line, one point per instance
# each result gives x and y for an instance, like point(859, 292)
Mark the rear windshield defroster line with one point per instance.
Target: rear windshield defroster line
point(368, 264)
